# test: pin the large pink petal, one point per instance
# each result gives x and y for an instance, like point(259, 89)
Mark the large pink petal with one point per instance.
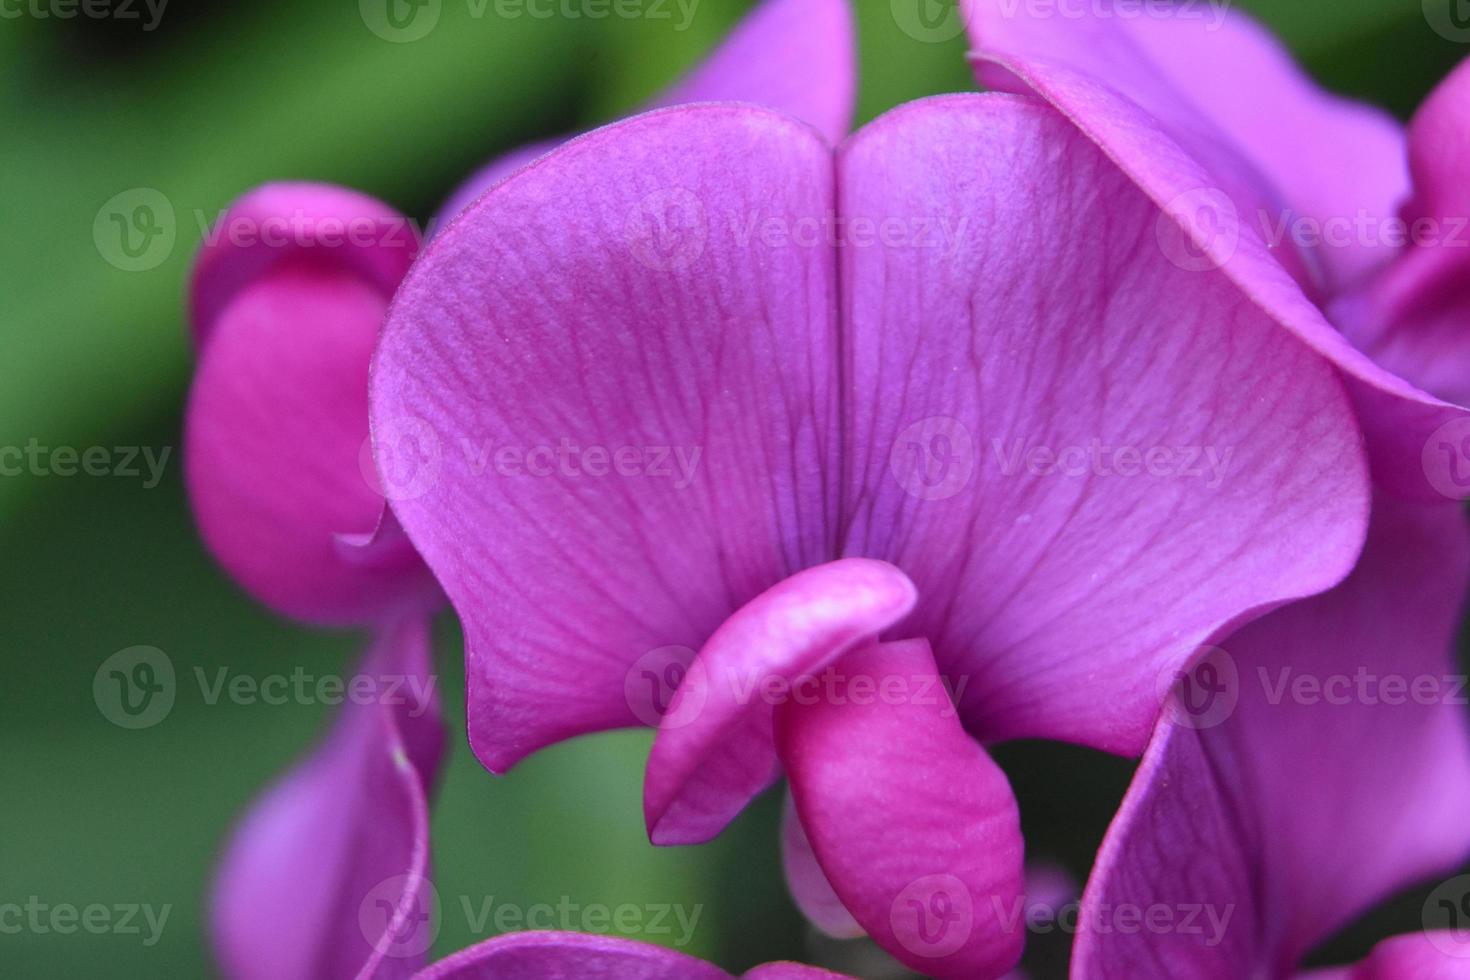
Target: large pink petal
point(568, 956)
point(325, 878)
point(914, 825)
point(1094, 72)
point(797, 56)
point(629, 393)
point(275, 443)
point(1343, 739)
point(714, 749)
point(1030, 311)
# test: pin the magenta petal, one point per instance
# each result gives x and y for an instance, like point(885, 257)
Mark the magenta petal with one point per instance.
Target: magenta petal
point(631, 406)
point(1228, 809)
point(1088, 459)
point(275, 435)
point(1229, 94)
point(1093, 74)
point(914, 825)
point(288, 300)
point(714, 748)
point(325, 877)
point(1412, 318)
point(568, 956)
point(808, 882)
point(796, 56)
point(790, 971)
point(1439, 147)
point(280, 224)
point(1422, 956)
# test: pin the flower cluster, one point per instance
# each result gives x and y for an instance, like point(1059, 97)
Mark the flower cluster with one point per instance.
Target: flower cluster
point(836, 590)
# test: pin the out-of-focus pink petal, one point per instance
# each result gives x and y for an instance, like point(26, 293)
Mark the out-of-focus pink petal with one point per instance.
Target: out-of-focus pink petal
point(325, 877)
point(1231, 95)
point(1091, 70)
point(1088, 459)
point(914, 825)
point(797, 56)
point(1421, 956)
point(568, 956)
point(288, 298)
point(631, 396)
point(714, 749)
point(1343, 717)
point(274, 436)
point(285, 223)
point(1439, 147)
point(790, 971)
point(1412, 319)
point(808, 882)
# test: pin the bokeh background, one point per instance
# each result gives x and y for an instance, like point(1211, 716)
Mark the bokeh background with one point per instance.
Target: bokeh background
point(217, 97)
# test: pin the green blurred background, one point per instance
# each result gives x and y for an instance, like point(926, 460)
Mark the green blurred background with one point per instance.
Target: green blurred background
point(223, 96)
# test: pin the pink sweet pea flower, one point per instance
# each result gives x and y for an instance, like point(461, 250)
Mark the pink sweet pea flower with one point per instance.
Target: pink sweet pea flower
point(926, 411)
